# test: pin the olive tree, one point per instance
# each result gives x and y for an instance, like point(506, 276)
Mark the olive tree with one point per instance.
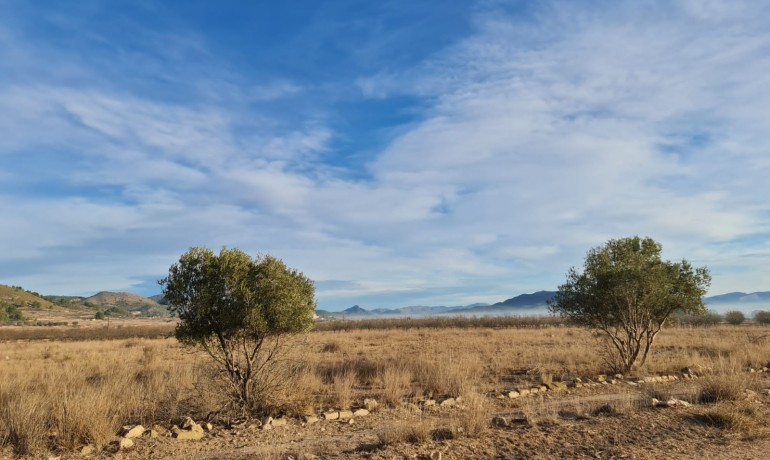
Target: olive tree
point(626, 291)
point(240, 311)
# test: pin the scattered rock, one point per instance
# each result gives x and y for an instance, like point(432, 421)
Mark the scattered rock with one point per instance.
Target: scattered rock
point(125, 444)
point(160, 429)
point(428, 402)
point(310, 419)
point(281, 421)
point(513, 394)
point(449, 402)
point(207, 427)
point(670, 403)
point(188, 423)
point(501, 422)
point(150, 434)
point(131, 431)
point(267, 423)
point(87, 450)
point(435, 455)
point(194, 433)
point(346, 414)
point(361, 413)
point(524, 392)
point(331, 415)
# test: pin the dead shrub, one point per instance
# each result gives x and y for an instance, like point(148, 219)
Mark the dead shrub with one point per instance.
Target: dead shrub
point(343, 389)
point(724, 387)
point(24, 419)
point(331, 347)
point(396, 381)
point(473, 419)
point(732, 417)
point(415, 432)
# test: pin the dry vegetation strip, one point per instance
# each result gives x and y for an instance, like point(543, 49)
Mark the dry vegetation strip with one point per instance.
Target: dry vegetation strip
point(63, 395)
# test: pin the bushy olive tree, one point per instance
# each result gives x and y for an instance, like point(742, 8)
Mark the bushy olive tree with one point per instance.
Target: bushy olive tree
point(239, 310)
point(627, 292)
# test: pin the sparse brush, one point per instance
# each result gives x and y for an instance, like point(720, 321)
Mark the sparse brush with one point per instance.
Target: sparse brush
point(733, 418)
point(411, 431)
point(343, 389)
point(724, 387)
point(473, 420)
point(396, 381)
point(331, 347)
point(24, 419)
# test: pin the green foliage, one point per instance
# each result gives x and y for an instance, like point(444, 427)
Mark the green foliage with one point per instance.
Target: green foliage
point(762, 317)
point(735, 317)
point(238, 309)
point(627, 292)
point(99, 315)
point(10, 313)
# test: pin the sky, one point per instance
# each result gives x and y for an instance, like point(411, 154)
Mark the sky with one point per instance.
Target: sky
point(396, 152)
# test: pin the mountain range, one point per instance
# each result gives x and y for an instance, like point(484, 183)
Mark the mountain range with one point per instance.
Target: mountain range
point(536, 302)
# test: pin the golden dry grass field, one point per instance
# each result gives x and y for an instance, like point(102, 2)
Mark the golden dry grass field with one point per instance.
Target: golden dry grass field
point(58, 397)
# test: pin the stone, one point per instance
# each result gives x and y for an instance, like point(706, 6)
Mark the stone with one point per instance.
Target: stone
point(207, 427)
point(524, 392)
point(673, 402)
point(192, 434)
point(310, 419)
point(160, 429)
point(513, 394)
point(150, 434)
point(426, 403)
point(331, 415)
point(87, 450)
point(346, 414)
point(125, 444)
point(187, 424)
point(131, 431)
point(280, 421)
point(435, 455)
point(449, 402)
point(543, 388)
point(501, 422)
point(360, 413)
point(534, 390)
point(370, 404)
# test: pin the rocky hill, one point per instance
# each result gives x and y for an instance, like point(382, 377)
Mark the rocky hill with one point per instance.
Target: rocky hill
point(120, 299)
point(18, 297)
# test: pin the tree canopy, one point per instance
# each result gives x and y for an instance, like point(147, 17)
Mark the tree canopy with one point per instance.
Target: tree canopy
point(231, 305)
point(627, 292)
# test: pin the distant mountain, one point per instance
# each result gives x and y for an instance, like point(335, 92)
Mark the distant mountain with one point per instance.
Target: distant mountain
point(739, 297)
point(512, 305)
point(355, 310)
point(537, 299)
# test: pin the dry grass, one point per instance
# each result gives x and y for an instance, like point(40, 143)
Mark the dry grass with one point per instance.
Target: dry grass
point(61, 395)
point(724, 387)
point(411, 431)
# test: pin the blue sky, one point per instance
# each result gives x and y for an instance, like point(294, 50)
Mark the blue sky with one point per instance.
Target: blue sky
point(397, 152)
